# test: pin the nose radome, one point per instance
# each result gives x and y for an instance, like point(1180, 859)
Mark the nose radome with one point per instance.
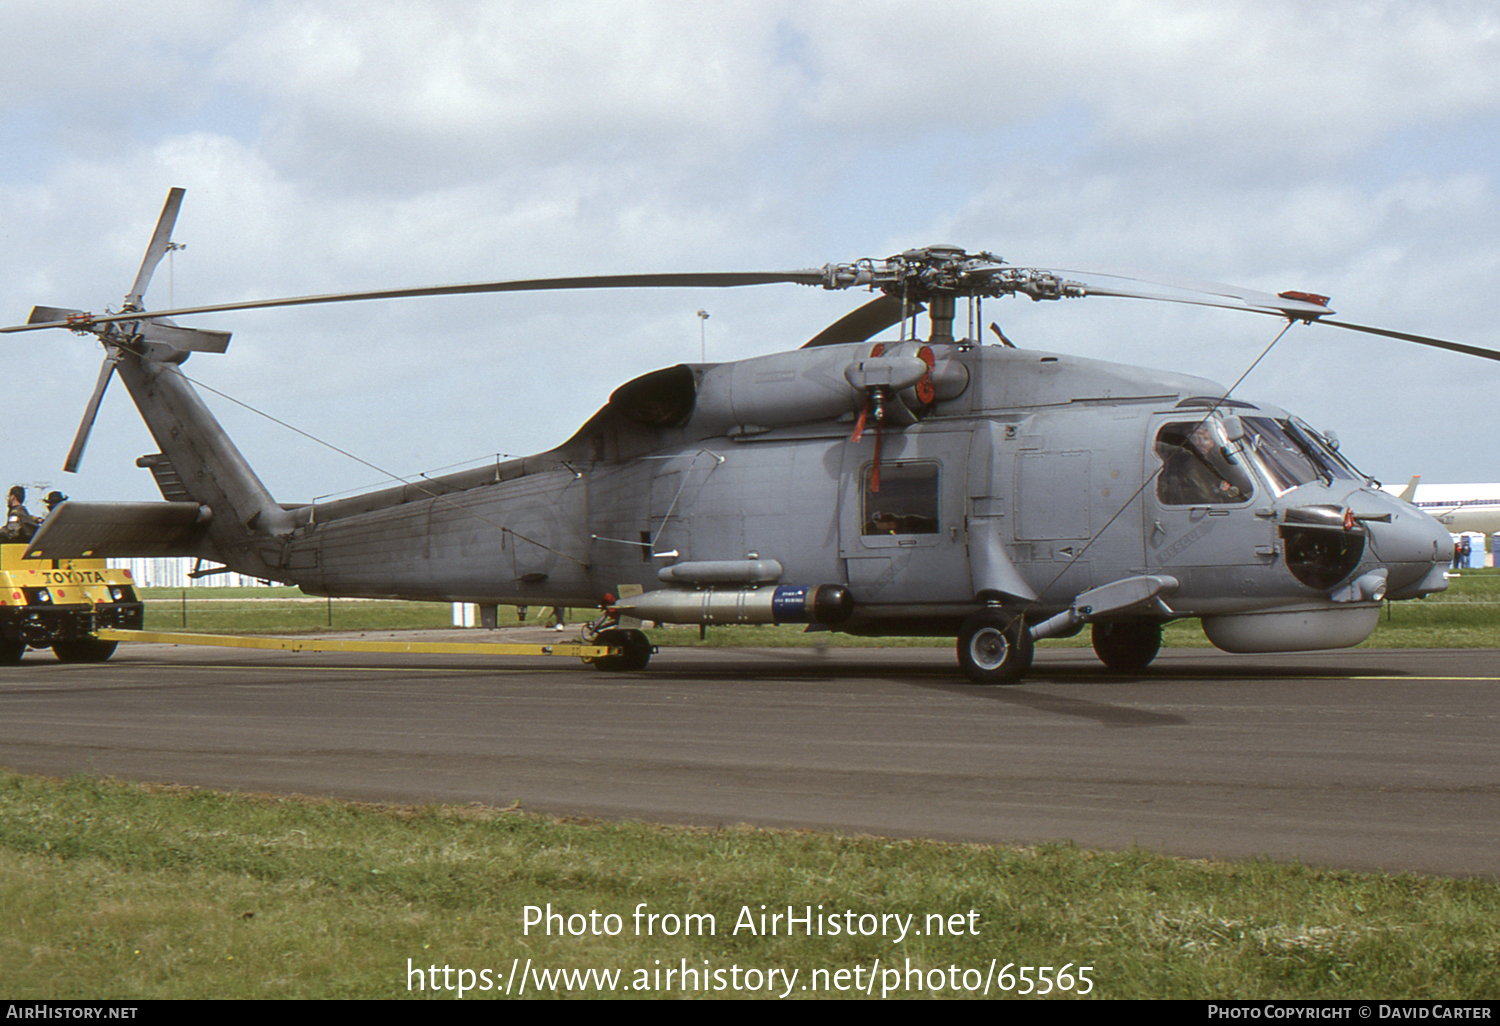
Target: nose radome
point(1413, 546)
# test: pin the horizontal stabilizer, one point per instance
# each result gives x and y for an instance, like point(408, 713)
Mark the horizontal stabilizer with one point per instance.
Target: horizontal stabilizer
point(74, 530)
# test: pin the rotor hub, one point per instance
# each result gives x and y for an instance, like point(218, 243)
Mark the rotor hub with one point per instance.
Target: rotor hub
point(933, 272)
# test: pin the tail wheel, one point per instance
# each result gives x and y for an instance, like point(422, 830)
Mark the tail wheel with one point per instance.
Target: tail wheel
point(636, 650)
point(11, 652)
point(1127, 646)
point(994, 647)
point(84, 650)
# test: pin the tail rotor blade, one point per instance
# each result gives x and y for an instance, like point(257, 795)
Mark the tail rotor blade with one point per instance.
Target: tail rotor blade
point(55, 315)
point(81, 440)
point(158, 248)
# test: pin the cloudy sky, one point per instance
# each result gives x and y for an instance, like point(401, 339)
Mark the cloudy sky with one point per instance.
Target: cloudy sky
point(1345, 148)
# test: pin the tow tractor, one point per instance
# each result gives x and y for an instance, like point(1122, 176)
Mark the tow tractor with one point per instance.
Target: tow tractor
point(61, 604)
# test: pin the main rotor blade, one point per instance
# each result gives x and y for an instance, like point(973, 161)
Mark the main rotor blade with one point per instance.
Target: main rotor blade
point(1245, 296)
point(157, 249)
point(1230, 297)
point(1421, 340)
point(1236, 298)
point(859, 324)
point(1294, 309)
point(812, 276)
point(80, 440)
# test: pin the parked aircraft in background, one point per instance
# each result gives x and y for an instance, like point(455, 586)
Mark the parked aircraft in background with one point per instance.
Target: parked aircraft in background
point(1461, 508)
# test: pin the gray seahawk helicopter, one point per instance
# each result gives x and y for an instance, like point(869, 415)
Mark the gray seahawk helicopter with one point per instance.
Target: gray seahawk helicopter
point(920, 486)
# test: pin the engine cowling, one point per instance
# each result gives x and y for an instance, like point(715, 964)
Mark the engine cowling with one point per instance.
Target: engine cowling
point(827, 383)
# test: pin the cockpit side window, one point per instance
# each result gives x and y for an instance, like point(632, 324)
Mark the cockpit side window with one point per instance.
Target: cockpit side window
point(1198, 466)
point(901, 498)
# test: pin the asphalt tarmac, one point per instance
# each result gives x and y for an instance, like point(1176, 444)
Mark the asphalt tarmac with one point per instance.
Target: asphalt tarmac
point(1363, 759)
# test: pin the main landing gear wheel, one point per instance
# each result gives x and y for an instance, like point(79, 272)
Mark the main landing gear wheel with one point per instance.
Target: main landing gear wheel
point(1128, 646)
point(84, 650)
point(636, 654)
point(994, 647)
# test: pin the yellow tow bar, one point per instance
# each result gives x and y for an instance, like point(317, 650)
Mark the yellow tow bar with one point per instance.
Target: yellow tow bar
point(578, 651)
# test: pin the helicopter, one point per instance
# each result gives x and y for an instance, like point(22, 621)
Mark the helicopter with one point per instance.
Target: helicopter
point(922, 486)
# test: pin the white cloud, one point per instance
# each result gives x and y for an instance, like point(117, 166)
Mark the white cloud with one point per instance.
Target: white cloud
point(1344, 148)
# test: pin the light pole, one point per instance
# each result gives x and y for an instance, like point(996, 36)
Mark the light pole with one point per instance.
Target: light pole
point(702, 336)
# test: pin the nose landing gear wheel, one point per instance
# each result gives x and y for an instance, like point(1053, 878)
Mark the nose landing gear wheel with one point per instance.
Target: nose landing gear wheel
point(994, 647)
point(1127, 646)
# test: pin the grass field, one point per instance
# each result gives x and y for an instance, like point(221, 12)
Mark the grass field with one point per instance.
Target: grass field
point(123, 891)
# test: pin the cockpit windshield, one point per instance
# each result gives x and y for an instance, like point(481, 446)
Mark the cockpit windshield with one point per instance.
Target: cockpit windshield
point(1328, 453)
point(1289, 453)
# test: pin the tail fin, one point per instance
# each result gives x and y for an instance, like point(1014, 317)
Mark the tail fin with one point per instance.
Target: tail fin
point(217, 508)
point(246, 526)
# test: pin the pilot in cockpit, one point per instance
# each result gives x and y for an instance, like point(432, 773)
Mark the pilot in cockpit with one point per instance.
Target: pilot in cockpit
point(1195, 470)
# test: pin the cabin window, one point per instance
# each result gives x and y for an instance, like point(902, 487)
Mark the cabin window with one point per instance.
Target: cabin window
point(1199, 467)
point(900, 498)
